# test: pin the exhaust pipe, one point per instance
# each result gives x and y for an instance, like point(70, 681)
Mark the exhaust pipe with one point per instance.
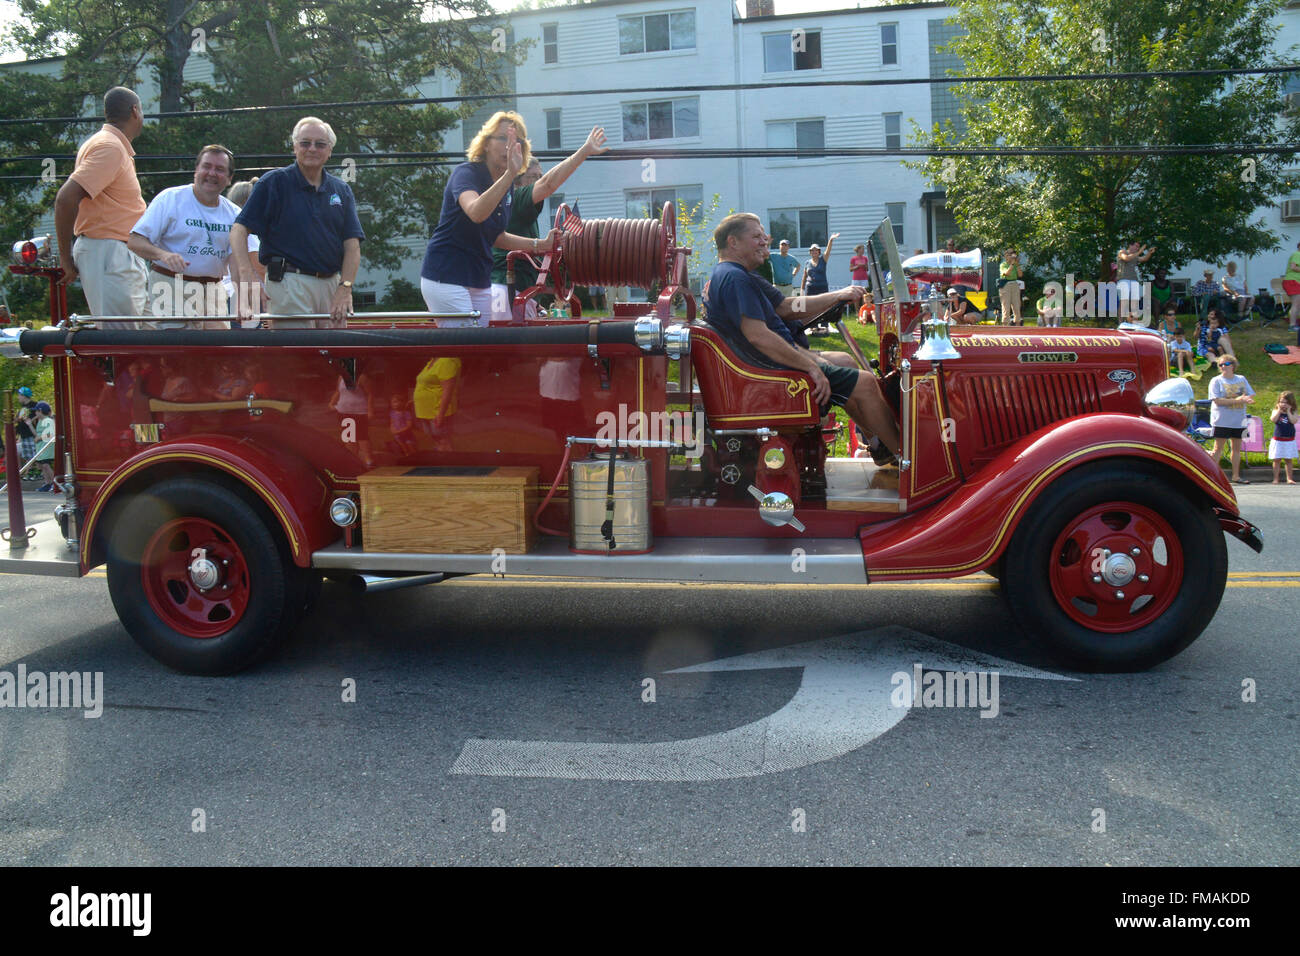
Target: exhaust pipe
point(373, 583)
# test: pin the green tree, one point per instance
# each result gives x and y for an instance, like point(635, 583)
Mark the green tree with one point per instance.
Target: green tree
point(277, 53)
point(1075, 211)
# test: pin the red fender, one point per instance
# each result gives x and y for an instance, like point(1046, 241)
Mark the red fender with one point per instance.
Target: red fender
point(293, 491)
point(968, 531)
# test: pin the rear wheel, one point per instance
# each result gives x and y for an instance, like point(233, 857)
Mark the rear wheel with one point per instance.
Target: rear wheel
point(1115, 567)
point(200, 579)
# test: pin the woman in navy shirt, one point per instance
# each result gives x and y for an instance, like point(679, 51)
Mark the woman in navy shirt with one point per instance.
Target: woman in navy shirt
point(457, 271)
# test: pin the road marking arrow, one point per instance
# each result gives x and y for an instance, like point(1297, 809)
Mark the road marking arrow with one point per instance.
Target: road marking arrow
point(842, 703)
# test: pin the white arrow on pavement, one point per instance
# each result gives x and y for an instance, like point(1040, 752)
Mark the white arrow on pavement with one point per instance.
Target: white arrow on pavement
point(842, 703)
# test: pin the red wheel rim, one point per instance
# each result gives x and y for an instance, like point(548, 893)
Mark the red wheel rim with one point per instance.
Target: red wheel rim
point(195, 578)
point(1116, 567)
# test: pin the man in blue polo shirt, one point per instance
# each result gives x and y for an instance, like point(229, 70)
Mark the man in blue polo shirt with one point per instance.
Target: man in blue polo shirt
point(310, 235)
point(746, 305)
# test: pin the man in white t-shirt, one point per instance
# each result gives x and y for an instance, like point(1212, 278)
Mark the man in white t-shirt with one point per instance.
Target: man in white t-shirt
point(185, 234)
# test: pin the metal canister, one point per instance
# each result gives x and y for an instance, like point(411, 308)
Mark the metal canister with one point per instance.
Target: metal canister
point(589, 495)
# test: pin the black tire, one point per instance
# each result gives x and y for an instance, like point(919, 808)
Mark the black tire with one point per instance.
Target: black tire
point(247, 612)
point(1042, 564)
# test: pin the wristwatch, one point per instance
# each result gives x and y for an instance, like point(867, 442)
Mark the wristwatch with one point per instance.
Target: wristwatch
point(346, 283)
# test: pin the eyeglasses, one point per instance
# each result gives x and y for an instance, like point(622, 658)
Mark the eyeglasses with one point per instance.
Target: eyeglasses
point(318, 143)
point(1226, 364)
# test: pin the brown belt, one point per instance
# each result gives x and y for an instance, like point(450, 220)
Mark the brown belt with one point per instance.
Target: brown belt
point(168, 272)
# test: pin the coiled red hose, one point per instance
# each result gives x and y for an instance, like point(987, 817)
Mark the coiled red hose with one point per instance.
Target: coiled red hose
point(613, 252)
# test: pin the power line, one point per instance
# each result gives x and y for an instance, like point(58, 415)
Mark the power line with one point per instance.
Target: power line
point(708, 88)
point(448, 159)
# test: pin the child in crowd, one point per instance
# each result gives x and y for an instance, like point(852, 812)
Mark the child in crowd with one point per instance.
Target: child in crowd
point(1181, 350)
point(45, 447)
point(1217, 336)
point(1049, 309)
point(1230, 393)
point(1168, 325)
point(1282, 446)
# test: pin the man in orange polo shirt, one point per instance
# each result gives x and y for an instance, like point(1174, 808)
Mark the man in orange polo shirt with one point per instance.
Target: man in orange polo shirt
point(99, 204)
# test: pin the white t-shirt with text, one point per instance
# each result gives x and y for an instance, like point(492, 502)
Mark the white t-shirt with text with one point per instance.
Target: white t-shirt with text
point(177, 222)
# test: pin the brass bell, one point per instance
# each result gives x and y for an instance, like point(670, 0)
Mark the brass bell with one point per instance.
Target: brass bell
point(937, 346)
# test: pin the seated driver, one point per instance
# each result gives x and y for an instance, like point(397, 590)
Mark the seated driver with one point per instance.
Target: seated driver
point(742, 302)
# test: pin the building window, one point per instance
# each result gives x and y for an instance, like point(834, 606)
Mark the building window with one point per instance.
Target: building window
point(550, 43)
point(650, 202)
point(364, 298)
point(800, 134)
point(655, 32)
point(889, 44)
point(552, 129)
point(893, 130)
point(894, 210)
point(661, 119)
point(800, 227)
point(797, 50)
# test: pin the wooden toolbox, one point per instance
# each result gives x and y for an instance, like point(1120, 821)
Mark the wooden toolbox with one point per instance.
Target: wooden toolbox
point(448, 510)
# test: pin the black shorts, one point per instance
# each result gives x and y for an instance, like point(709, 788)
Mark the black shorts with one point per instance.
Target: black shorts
point(843, 381)
point(1221, 432)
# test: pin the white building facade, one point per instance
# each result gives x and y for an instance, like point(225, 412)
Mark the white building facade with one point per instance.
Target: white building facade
point(667, 53)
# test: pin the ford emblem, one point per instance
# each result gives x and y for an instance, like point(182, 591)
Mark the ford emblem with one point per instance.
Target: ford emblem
point(1121, 377)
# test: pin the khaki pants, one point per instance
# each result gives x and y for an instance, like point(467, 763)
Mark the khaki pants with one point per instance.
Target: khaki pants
point(113, 278)
point(297, 294)
point(1010, 296)
point(173, 297)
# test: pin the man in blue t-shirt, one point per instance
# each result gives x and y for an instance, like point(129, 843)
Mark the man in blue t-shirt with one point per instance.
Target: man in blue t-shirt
point(784, 268)
point(310, 234)
point(747, 306)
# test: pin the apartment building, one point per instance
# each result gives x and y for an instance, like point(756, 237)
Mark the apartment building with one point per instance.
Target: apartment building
point(643, 69)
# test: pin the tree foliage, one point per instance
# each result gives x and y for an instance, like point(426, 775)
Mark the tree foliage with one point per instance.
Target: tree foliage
point(1075, 211)
point(277, 53)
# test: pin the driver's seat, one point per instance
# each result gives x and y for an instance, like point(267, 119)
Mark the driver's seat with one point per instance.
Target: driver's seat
point(743, 389)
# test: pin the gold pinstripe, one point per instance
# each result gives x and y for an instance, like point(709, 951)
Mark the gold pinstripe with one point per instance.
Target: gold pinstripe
point(1029, 489)
point(266, 496)
point(755, 376)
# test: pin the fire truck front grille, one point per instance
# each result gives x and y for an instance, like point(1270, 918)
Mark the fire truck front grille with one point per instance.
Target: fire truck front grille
point(1007, 407)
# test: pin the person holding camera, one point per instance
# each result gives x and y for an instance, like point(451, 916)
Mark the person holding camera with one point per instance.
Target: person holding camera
point(1010, 272)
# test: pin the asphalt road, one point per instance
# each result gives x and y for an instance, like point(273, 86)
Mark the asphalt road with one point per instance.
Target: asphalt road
point(274, 767)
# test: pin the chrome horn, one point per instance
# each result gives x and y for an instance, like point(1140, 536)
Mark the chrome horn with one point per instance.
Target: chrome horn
point(937, 346)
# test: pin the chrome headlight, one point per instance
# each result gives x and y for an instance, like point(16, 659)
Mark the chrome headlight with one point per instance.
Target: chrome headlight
point(1174, 395)
point(343, 512)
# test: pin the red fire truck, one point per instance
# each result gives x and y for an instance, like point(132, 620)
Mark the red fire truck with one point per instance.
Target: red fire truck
point(220, 475)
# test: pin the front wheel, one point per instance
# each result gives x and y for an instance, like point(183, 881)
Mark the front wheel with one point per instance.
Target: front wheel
point(1115, 567)
point(199, 578)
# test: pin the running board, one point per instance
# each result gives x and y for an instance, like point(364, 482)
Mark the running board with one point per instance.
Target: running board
point(47, 553)
point(739, 560)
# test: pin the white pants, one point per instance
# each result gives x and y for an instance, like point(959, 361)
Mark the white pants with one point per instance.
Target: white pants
point(113, 277)
point(442, 298)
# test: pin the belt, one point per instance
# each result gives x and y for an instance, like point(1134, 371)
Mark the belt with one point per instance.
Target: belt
point(168, 272)
point(290, 267)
